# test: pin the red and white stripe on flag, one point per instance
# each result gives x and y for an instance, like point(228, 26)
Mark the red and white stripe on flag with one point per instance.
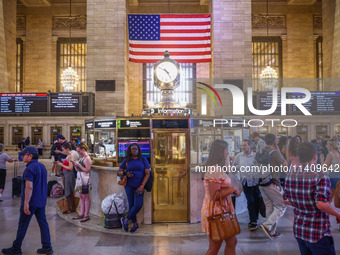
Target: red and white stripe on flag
point(186, 37)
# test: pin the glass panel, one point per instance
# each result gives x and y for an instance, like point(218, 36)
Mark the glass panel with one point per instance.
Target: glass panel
point(54, 132)
point(104, 143)
point(18, 134)
point(1, 135)
point(37, 133)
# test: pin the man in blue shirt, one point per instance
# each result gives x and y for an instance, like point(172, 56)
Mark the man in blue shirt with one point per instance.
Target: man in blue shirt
point(33, 202)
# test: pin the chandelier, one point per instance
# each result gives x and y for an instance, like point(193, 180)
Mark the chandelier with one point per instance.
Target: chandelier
point(69, 77)
point(268, 75)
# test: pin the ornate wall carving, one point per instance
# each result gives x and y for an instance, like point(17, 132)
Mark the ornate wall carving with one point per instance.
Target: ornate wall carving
point(317, 21)
point(77, 22)
point(21, 22)
point(274, 21)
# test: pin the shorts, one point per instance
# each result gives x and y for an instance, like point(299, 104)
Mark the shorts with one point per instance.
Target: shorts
point(52, 159)
point(334, 181)
point(2, 178)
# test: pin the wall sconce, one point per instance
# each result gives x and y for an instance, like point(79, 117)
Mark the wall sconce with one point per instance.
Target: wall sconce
point(35, 130)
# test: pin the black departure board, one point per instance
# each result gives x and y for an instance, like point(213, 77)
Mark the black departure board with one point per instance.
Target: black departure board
point(65, 102)
point(320, 102)
point(169, 123)
point(133, 123)
point(266, 102)
point(23, 103)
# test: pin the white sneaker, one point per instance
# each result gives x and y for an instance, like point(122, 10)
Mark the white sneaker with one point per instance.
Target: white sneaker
point(0, 197)
point(52, 174)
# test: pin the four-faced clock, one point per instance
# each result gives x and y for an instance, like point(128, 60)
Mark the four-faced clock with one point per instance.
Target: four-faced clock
point(166, 71)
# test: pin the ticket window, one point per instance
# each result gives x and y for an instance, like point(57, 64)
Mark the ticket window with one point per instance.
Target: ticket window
point(321, 130)
point(302, 131)
point(18, 135)
point(37, 133)
point(337, 130)
point(263, 131)
point(2, 135)
point(282, 131)
point(234, 139)
point(54, 132)
point(75, 133)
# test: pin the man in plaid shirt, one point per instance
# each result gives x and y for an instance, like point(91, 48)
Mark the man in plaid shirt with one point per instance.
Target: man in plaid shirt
point(309, 192)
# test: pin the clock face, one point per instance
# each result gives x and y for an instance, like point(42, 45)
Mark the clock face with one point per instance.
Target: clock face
point(166, 72)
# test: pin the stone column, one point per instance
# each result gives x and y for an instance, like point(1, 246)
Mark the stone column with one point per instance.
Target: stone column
point(7, 45)
point(328, 14)
point(232, 45)
point(106, 53)
point(300, 47)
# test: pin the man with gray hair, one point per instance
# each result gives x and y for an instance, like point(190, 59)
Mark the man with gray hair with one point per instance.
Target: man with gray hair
point(3, 159)
point(249, 182)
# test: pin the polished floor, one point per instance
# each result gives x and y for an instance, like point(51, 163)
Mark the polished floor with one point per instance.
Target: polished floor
point(70, 239)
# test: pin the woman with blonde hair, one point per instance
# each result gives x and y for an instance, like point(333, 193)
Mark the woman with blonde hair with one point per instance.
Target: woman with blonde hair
point(218, 181)
point(83, 168)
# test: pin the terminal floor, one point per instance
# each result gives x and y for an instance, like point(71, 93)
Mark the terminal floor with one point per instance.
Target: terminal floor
point(72, 239)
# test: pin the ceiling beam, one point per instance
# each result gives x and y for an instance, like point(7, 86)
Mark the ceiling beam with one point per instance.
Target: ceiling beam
point(36, 3)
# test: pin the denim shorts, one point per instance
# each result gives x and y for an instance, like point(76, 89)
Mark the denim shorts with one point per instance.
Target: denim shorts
point(334, 181)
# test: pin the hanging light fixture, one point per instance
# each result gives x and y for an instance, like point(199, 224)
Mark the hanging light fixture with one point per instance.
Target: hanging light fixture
point(75, 130)
point(35, 130)
point(268, 75)
point(69, 77)
point(55, 130)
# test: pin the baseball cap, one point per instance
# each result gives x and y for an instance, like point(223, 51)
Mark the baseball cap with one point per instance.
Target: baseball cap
point(60, 136)
point(30, 150)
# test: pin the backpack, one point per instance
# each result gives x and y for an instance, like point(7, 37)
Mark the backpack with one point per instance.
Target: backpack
point(56, 191)
point(263, 159)
point(49, 186)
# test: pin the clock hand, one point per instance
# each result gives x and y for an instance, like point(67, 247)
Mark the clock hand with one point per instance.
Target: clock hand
point(165, 71)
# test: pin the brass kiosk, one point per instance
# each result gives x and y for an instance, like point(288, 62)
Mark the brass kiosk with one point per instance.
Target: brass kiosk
point(170, 154)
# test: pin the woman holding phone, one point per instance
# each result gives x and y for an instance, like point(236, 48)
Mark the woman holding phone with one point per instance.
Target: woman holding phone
point(137, 170)
point(83, 168)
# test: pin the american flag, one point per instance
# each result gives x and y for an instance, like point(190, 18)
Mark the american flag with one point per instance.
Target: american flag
point(186, 37)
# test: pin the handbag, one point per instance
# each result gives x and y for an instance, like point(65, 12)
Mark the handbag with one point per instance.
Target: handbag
point(63, 204)
point(123, 178)
point(85, 188)
point(149, 183)
point(113, 220)
point(224, 225)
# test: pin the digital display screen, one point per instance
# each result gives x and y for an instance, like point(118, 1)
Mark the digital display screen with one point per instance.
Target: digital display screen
point(180, 123)
point(65, 102)
point(266, 102)
point(23, 103)
point(105, 124)
point(320, 102)
point(123, 144)
point(133, 123)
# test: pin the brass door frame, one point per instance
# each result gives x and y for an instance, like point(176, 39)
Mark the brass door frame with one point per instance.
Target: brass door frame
point(186, 131)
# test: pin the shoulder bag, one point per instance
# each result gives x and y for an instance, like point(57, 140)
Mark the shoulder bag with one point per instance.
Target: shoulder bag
point(85, 188)
point(224, 225)
point(123, 178)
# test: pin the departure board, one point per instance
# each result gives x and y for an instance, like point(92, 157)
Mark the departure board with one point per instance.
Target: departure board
point(65, 102)
point(320, 102)
point(266, 102)
point(23, 103)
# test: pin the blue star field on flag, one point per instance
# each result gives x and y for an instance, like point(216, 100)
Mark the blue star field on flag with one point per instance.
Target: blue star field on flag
point(144, 27)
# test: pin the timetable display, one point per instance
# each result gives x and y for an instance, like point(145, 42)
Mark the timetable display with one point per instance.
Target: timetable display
point(326, 102)
point(64, 102)
point(23, 103)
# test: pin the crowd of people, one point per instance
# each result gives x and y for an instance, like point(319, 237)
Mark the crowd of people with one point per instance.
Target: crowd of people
point(309, 186)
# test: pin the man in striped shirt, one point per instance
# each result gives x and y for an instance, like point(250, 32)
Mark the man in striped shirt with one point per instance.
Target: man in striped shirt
point(308, 191)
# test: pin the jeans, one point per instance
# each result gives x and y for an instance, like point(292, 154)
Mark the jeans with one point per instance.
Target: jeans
point(275, 207)
point(135, 203)
point(252, 195)
point(24, 222)
point(325, 246)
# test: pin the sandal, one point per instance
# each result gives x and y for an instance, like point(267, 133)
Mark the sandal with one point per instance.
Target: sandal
point(86, 218)
point(67, 212)
point(78, 217)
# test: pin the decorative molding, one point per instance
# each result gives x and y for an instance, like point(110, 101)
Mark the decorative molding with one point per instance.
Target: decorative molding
point(301, 2)
point(204, 2)
point(133, 2)
point(283, 37)
point(315, 36)
point(317, 21)
point(77, 22)
point(274, 21)
point(36, 3)
point(21, 22)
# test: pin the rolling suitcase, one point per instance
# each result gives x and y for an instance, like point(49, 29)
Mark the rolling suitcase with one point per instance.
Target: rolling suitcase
point(16, 181)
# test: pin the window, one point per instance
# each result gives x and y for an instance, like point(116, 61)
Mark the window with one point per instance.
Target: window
point(266, 51)
point(72, 52)
point(37, 133)
point(54, 132)
point(1, 135)
point(319, 64)
point(185, 92)
point(17, 135)
point(19, 66)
